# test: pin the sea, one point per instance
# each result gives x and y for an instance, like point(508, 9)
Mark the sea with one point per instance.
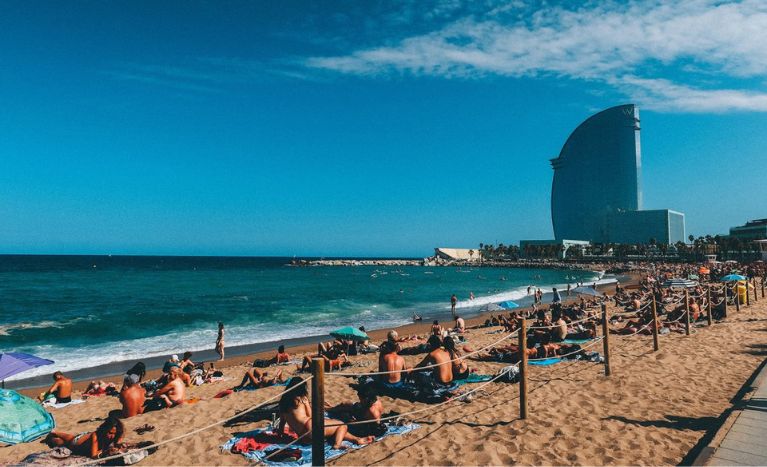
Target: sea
point(84, 311)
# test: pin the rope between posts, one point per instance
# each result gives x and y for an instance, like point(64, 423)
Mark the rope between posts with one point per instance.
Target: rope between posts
point(595, 341)
point(377, 373)
point(193, 432)
point(430, 406)
point(569, 324)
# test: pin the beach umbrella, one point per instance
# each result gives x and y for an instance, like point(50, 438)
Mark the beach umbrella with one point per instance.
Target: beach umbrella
point(582, 290)
point(349, 333)
point(12, 363)
point(680, 283)
point(733, 278)
point(492, 307)
point(508, 305)
point(22, 419)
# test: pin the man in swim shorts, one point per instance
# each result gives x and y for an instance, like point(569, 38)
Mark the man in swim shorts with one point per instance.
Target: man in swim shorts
point(61, 389)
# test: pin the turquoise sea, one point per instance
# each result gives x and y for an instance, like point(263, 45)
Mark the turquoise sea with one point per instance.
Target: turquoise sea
point(83, 311)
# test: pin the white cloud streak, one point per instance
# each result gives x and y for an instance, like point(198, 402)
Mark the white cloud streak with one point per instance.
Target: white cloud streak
point(664, 55)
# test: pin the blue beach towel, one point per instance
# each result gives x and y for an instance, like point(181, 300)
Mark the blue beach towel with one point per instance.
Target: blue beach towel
point(473, 378)
point(306, 451)
point(545, 361)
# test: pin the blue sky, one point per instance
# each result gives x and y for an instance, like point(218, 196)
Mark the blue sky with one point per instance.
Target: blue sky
point(356, 127)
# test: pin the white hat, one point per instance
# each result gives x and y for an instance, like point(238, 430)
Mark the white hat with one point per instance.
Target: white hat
point(174, 358)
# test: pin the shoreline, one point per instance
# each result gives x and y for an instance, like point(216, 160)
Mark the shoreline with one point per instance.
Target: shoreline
point(245, 354)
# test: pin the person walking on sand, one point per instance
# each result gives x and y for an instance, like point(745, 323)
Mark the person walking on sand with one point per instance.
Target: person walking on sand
point(453, 301)
point(220, 341)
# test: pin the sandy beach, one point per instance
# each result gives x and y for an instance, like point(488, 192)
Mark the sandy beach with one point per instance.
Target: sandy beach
point(656, 408)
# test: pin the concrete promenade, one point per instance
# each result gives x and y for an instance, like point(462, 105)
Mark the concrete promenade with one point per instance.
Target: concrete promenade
point(743, 439)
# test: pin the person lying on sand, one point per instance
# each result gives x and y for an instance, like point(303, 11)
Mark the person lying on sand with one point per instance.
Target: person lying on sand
point(99, 388)
point(61, 389)
point(333, 354)
point(95, 444)
point(296, 412)
point(255, 378)
point(132, 397)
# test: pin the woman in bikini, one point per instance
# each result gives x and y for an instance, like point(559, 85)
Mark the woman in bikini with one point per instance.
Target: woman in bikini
point(93, 444)
point(296, 412)
point(460, 368)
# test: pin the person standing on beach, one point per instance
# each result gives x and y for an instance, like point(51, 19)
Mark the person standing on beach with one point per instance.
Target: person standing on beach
point(453, 301)
point(220, 341)
point(556, 297)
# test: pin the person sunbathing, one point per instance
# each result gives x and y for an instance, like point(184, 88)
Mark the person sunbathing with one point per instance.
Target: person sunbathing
point(443, 373)
point(436, 328)
point(61, 389)
point(99, 388)
point(392, 362)
point(296, 412)
point(369, 408)
point(93, 444)
point(173, 393)
point(255, 379)
point(460, 325)
point(132, 397)
point(187, 365)
point(282, 356)
point(460, 368)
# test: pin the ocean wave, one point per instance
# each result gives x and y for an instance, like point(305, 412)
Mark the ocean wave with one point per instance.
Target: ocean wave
point(7, 329)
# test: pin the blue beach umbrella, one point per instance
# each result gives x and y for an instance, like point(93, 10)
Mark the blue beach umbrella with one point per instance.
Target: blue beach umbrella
point(732, 278)
point(350, 333)
point(22, 419)
point(12, 363)
point(508, 305)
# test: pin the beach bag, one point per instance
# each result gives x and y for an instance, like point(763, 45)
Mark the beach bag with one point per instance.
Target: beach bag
point(508, 374)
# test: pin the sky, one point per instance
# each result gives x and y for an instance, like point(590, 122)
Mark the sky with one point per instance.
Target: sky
point(359, 128)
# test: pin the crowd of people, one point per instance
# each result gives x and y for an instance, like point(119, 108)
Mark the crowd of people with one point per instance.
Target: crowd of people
point(554, 330)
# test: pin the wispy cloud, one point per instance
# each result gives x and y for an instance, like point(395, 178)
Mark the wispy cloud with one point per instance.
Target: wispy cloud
point(670, 56)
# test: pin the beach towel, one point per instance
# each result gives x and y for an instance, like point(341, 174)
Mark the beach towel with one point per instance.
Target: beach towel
point(576, 341)
point(55, 456)
point(61, 405)
point(266, 442)
point(545, 361)
point(473, 378)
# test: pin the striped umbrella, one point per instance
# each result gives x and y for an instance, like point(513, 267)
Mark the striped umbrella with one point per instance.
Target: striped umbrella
point(679, 283)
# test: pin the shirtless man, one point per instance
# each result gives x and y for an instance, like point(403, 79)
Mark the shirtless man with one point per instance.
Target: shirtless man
point(559, 333)
point(443, 373)
point(296, 412)
point(460, 324)
point(390, 361)
point(173, 393)
point(61, 389)
point(132, 397)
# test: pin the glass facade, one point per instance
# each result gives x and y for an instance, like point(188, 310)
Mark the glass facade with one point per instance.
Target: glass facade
point(596, 193)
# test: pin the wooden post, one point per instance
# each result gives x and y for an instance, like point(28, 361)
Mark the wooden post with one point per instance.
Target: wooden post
point(762, 286)
point(318, 411)
point(708, 311)
point(655, 343)
point(724, 315)
point(737, 296)
point(748, 295)
point(756, 295)
point(523, 368)
point(606, 339)
point(687, 308)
